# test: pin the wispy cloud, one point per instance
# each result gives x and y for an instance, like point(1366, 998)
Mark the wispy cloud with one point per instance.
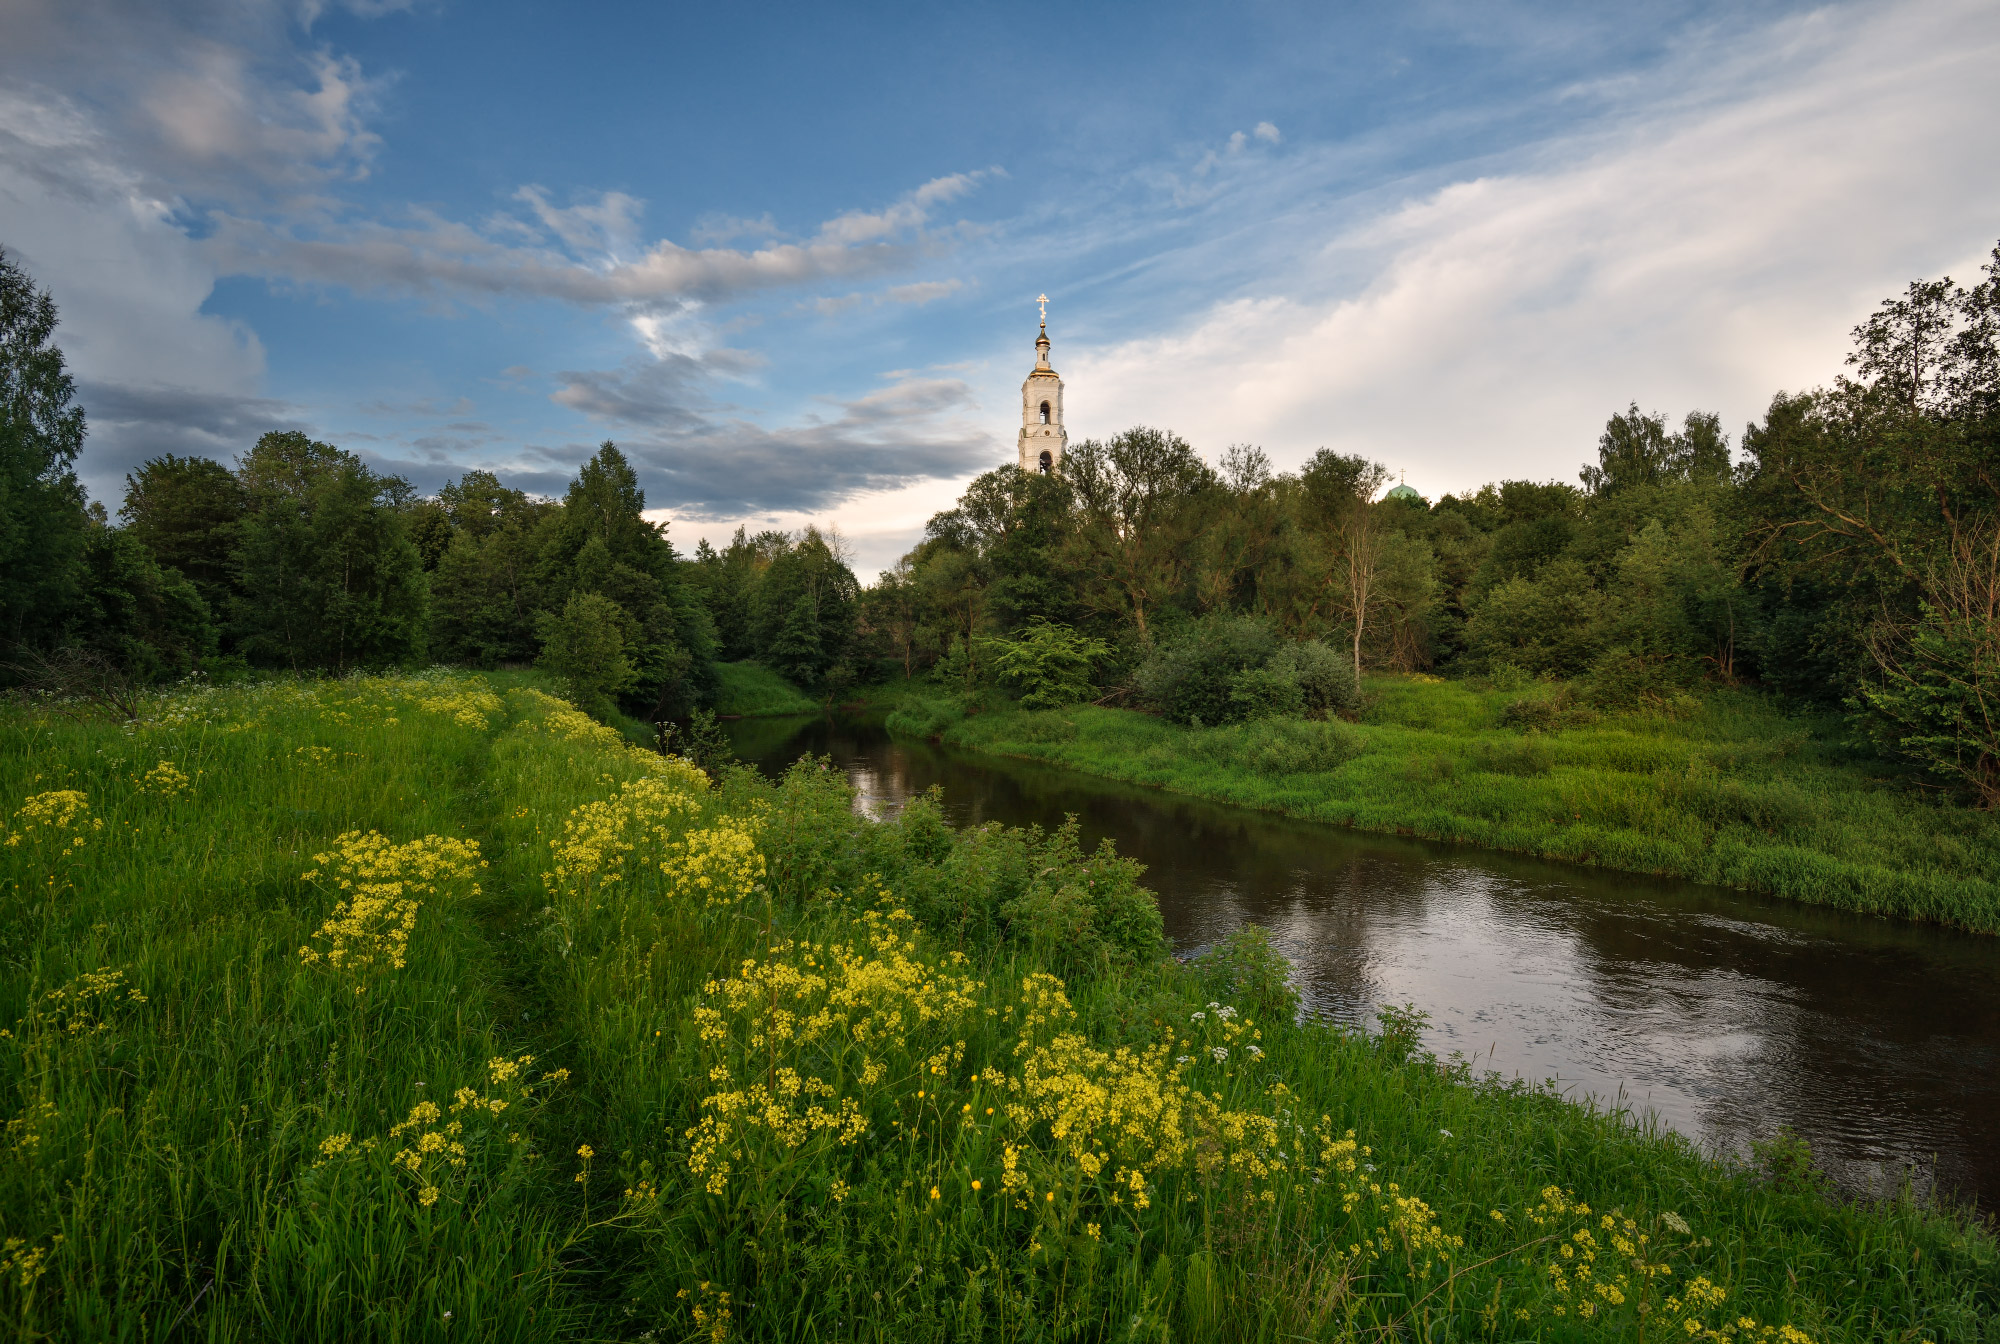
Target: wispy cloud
point(586, 253)
point(1707, 241)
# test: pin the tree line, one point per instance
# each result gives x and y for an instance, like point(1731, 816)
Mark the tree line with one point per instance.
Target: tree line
point(1844, 552)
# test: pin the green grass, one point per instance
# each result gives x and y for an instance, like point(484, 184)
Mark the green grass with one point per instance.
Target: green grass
point(1734, 793)
point(201, 1124)
point(746, 690)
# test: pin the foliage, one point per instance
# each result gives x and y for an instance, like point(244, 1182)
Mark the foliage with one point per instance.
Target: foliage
point(1047, 666)
point(1246, 968)
point(584, 647)
point(1325, 680)
point(328, 574)
point(41, 502)
point(700, 740)
point(1190, 677)
point(1940, 680)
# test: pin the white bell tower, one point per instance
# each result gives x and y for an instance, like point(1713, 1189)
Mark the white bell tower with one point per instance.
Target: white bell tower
point(1043, 437)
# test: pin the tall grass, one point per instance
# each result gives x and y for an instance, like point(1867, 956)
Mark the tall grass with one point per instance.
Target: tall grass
point(749, 689)
point(715, 1060)
point(1729, 791)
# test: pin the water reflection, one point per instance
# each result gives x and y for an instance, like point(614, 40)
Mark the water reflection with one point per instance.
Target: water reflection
point(1726, 1015)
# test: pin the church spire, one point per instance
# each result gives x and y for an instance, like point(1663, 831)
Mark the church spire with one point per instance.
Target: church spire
point(1043, 437)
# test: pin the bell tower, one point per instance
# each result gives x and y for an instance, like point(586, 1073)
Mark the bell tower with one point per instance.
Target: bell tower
point(1043, 437)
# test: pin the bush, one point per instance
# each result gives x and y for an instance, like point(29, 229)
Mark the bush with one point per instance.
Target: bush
point(1249, 970)
point(1261, 692)
point(1189, 678)
point(1084, 912)
point(1048, 666)
point(1324, 676)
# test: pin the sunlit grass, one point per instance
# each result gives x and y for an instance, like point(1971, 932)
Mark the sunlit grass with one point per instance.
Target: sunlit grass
point(518, 1127)
point(1734, 792)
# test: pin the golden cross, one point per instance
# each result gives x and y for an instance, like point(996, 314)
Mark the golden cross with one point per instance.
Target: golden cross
point(1044, 301)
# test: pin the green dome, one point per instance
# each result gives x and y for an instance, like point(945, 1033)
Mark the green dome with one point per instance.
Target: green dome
point(1405, 492)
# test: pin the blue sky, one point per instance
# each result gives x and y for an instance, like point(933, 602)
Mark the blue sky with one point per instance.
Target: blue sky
point(787, 256)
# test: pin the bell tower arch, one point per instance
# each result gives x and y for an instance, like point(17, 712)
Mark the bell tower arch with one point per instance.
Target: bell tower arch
point(1043, 437)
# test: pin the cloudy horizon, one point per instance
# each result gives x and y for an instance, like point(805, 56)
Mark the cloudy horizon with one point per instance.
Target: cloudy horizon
point(790, 266)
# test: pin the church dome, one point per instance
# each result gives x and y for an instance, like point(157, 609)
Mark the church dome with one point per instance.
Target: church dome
point(1405, 492)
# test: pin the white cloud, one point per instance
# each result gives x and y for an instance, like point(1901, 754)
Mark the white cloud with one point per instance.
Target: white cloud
point(439, 257)
point(1707, 246)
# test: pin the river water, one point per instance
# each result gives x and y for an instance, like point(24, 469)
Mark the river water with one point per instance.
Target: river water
point(1726, 1015)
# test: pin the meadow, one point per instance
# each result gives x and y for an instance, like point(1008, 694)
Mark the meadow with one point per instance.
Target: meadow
point(1724, 789)
point(425, 1007)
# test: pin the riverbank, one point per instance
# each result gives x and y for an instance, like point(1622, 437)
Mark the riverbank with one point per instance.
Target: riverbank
point(752, 690)
point(1730, 792)
point(423, 1007)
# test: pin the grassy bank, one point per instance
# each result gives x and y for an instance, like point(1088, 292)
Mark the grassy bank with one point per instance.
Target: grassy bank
point(424, 1008)
point(1731, 792)
point(746, 690)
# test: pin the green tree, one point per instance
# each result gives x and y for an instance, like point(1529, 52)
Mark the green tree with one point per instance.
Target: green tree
point(1552, 623)
point(602, 542)
point(41, 501)
point(134, 614)
point(797, 649)
point(804, 610)
point(486, 588)
point(187, 511)
point(1344, 489)
point(329, 575)
point(583, 646)
point(1136, 515)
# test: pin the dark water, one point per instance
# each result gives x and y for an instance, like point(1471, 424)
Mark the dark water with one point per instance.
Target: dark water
point(1726, 1015)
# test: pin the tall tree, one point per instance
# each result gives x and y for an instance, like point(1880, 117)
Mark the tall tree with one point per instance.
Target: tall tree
point(41, 501)
point(602, 542)
point(187, 511)
point(330, 577)
point(1345, 488)
point(1135, 516)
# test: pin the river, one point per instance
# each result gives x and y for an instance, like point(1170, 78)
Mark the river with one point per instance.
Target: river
point(1726, 1015)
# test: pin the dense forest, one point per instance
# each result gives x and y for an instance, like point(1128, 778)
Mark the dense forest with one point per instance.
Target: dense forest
point(1844, 552)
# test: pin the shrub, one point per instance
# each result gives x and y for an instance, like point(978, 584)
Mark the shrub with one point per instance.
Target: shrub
point(1245, 967)
point(1081, 912)
point(1189, 677)
point(1325, 677)
point(1048, 666)
point(1260, 692)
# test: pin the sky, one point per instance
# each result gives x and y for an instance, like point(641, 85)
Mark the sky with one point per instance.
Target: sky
point(787, 257)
